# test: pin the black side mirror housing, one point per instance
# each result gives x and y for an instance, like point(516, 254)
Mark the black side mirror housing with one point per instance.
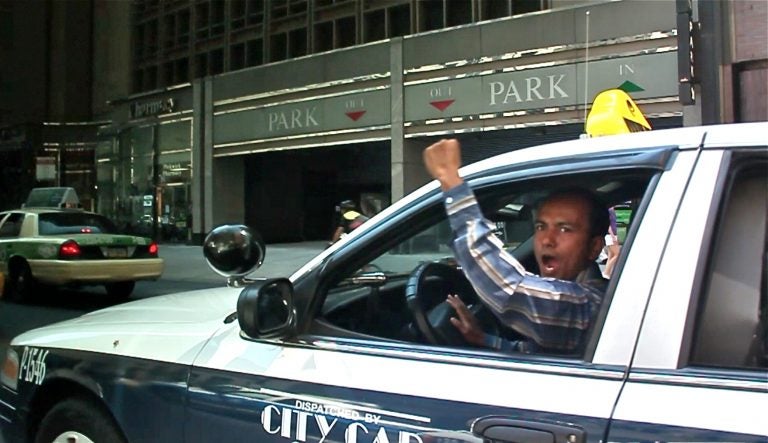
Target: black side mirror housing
point(265, 308)
point(234, 251)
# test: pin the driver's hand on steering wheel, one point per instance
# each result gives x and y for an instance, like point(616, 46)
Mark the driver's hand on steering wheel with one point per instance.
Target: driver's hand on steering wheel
point(465, 321)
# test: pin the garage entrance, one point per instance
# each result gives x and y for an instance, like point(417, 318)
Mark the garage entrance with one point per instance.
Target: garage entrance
point(290, 195)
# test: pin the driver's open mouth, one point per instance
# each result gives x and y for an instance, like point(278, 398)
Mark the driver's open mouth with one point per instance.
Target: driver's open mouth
point(549, 263)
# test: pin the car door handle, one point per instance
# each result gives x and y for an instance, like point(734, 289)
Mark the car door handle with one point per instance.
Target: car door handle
point(507, 430)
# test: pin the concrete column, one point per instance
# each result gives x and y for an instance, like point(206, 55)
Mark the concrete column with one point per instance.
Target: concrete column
point(397, 113)
point(408, 172)
point(197, 162)
point(207, 155)
point(228, 190)
point(202, 159)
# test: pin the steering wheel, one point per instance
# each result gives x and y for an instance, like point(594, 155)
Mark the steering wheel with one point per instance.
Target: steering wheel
point(426, 290)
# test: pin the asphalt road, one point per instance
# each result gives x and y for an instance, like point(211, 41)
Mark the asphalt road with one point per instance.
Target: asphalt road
point(185, 269)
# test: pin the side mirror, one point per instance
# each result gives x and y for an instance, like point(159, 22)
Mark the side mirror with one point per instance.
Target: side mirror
point(265, 308)
point(234, 251)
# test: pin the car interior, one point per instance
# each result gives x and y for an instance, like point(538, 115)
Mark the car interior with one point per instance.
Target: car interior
point(399, 295)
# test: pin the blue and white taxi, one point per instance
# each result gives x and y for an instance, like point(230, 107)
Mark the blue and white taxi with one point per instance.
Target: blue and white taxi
point(356, 345)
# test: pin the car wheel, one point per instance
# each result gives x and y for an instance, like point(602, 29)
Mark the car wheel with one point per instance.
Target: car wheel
point(78, 420)
point(121, 289)
point(20, 285)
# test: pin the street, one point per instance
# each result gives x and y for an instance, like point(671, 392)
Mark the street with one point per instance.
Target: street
point(185, 270)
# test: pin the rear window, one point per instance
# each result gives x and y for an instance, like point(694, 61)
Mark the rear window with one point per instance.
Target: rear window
point(74, 223)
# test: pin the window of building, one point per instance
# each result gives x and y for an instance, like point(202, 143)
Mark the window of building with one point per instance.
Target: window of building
point(374, 26)
point(150, 78)
point(346, 34)
point(430, 15)
point(399, 22)
point(216, 61)
point(323, 36)
point(297, 42)
point(458, 12)
point(237, 56)
point(169, 31)
point(278, 8)
point(255, 12)
point(6, 26)
point(138, 38)
point(138, 80)
point(182, 37)
point(182, 70)
point(202, 20)
point(217, 17)
point(732, 324)
point(151, 42)
point(491, 9)
point(201, 65)
point(169, 76)
point(523, 6)
point(297, 6)
point(237, 13)
point(152, 5)
point(278, 47)
point(254, 52)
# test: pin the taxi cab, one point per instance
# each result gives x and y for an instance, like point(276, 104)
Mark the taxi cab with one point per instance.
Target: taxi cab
point(50, 241)
point(356, 345)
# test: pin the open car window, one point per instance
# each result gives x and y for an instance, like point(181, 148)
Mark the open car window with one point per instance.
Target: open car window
point(373, 299)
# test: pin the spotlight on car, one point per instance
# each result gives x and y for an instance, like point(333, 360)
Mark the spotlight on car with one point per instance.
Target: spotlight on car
point(234, 251)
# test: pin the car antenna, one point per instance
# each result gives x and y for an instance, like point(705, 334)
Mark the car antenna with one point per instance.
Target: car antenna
point(586, 73)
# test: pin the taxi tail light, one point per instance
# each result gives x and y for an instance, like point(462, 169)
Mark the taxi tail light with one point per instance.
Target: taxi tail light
point(69, 249)
point(153, 248)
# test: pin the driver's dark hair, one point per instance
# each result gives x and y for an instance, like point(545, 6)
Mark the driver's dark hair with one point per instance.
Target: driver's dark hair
point(599, 219)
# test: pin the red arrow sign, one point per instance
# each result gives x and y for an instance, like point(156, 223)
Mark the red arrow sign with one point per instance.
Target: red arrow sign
point(355, 115)
point(442, 105)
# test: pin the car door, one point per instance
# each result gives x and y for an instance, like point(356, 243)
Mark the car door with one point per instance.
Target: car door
point(354, 371)
point(699, 371)
point(10, 227)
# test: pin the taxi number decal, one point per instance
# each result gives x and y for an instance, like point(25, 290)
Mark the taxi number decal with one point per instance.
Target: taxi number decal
point(33, 365)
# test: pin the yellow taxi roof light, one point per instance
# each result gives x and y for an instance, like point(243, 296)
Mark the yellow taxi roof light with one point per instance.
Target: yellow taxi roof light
point(614, 112)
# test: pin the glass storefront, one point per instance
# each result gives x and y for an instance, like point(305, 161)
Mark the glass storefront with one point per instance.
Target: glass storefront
point(144, 180)
point(174, 200)
point(77, 172)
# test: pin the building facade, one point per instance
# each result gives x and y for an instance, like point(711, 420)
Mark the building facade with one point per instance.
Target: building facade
point(270, 112)
point(56, 80)
point(276, 146)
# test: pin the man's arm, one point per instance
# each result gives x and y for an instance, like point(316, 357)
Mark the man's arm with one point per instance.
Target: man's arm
point(552, 313)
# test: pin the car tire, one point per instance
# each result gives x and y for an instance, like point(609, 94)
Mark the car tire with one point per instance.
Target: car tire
point(21, 285)
point(78, 420)
point(121, 289)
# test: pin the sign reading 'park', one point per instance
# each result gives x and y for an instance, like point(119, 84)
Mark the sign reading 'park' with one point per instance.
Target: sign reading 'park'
point(651, 76)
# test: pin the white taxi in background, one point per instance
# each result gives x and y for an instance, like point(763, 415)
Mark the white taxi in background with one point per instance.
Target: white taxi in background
point(63, 246)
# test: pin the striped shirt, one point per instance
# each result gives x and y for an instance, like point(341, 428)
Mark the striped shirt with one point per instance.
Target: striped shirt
point(553, 314)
